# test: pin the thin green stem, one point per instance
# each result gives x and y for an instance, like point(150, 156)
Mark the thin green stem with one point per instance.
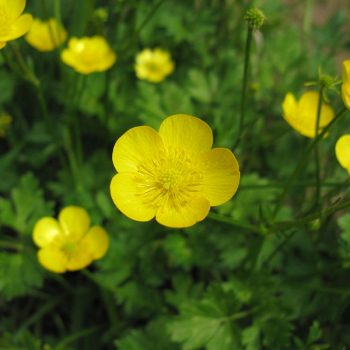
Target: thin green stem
point(301, 164)
point(244, 85)
point(230, 221)
point(11, 245)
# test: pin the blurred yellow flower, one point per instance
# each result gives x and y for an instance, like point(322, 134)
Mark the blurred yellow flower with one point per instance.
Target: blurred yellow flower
point(12, 23)
point(173, 175)
point(46, 35)
point(89, 54)
point(301, 115)
point(69, 243)
point(342, 151)
point(153, 65)
point(345, 88)
point(5, 121)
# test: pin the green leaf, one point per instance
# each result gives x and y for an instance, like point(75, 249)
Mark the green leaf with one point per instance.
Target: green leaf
point(250, 338)
point(19, 274)
point(21, 341)
point(25, 206)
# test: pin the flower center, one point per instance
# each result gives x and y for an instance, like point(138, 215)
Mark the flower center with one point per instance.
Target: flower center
point(171, 178)
point(69, 248)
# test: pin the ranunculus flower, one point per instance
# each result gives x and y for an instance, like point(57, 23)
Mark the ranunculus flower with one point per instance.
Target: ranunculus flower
point(46, 35)
point(69, 243)
point(12, 23)
point(174, 174)
point(301, 115)
point(345, 88)
point(153, 65)
point(89, 54)
point(342, 151)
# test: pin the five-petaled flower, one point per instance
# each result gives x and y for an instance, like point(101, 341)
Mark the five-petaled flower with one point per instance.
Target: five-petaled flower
point(89, 54)
point(342, 151)
point(46, 35)
point(153, 65)
point(173, 175)
point(302, 115)
point(69, 243)
point(12, 23)
point(345, 88)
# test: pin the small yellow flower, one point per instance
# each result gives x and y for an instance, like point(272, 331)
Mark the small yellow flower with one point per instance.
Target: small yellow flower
point(153, 65)
point(46, 35)
point(301, 115)
point(69, 243)
point(89, 54)
point(5, 121)
point(342, 151)
point(12, 23)
point(345, 88)
point(173, 175)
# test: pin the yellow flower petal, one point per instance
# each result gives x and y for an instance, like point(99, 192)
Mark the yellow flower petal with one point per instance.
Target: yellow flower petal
point(345, 88)
point(130, 198)
point(342, 151)
point(18, 28)
point(75, 221)
point(220, 175)
point(185, 214)
point(46, 231)
point(182, 131)
point(13, 7)
point(80, 257)
point(53, 260)
point(2, 44)
point(97, 242)
point(136, 146)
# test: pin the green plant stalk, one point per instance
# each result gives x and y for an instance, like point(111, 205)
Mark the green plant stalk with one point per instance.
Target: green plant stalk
point(244, 85)
point(309, 5)
point(300, 166)
point(11, 245)
point(317, 151)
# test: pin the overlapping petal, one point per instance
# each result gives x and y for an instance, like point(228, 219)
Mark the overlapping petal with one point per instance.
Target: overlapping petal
point(53, 259)
point(47, 231)
point(186, 132)
point(18, 28)
point(96, 242)
point(136, 146)
point(220, 175)
point(75, 221)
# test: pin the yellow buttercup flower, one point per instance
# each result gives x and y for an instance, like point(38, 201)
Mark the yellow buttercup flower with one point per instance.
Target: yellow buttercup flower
point(153, 65)
point(174, 174)
point(342, 151)
point(301, 115)
point(69, 243)
point(5, 121)
point(345, 88)
point(12, 23)
point(46, 35)
point(89, 54)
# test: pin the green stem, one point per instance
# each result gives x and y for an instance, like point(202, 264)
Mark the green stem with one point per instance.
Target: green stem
point(230, 221)
point(244, 85)
point(11, 245)
point(301, 164)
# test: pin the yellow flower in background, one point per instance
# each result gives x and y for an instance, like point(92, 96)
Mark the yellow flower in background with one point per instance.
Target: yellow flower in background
point(46, 35)
point(12, 23)
point(153, 65)
point(301, 115)
point(69, 243)
point(342, 151)
point(89, 54)
point(5, 121)
point(345, 88)
point(173, 175)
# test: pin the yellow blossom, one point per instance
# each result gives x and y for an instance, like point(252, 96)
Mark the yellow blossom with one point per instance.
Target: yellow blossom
point(342, 151)
point(89, 54)
point(5, 121)
point(345, 88)
point(69, 243)
point(153, 65)
point(174, 174)
point(12, 23)
point(46, 35)
point(301, 115)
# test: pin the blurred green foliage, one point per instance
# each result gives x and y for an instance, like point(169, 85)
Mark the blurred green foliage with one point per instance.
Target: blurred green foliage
point(242, 279)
